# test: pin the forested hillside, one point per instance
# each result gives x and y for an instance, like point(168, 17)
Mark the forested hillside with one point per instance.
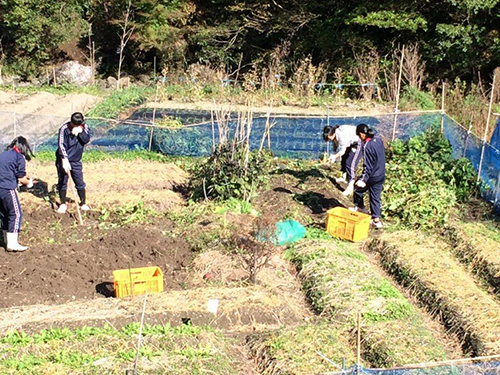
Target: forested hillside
point(455, 38)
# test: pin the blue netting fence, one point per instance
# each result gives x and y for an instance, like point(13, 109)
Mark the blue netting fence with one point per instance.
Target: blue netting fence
point(290, 136)
point(472, 367)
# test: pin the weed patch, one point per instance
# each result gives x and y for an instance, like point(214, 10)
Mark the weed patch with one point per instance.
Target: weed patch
point(105, 350)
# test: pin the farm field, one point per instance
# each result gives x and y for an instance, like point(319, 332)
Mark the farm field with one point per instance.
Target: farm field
point(421, 297)
point(304, 300)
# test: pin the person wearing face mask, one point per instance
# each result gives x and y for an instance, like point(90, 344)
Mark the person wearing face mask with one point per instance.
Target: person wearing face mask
point(73, 136)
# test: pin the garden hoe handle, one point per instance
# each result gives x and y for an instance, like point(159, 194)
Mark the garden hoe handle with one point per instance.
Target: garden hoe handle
point(75, 197)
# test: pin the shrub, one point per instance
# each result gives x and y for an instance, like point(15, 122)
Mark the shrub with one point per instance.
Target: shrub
point(424, 181)
point(228, 174)
point(412, 98)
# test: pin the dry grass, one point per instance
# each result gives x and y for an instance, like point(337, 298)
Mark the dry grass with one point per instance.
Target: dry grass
point(113, 182)
point(341, 282)
point(240, 308)
point(427, 266)
point(295, 351)
point(478, 246)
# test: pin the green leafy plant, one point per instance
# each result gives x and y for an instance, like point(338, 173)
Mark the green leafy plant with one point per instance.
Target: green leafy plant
point(119, 100)
point(424, 182)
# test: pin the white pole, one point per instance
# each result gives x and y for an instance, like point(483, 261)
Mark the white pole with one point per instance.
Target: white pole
point(396, 109)
point(486, 130)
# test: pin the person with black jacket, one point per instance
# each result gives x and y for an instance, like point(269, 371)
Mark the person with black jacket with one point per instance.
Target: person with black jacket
point(13, 172)
point(373, 177)
point(73, 136)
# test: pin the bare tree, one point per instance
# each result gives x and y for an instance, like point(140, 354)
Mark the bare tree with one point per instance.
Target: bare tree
point(127, 28)
point(413, 67)
point(391, 76)
point(367, 70)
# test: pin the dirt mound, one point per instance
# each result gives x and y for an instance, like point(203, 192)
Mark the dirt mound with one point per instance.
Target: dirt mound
point(71, 262)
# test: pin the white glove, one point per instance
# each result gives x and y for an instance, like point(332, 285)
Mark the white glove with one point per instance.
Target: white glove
point(30, 184)
point(66, 165)
point(76, 130)
point(332, 158)
point(361, 184)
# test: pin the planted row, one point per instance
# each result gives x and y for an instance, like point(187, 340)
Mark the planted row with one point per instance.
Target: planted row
point(428, 268)
point(340, 281)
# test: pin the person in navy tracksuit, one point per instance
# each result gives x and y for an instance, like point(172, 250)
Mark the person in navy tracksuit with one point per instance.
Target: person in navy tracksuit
point(73, 136)
point(373, 176)
point(13, 172)
point(349, 150)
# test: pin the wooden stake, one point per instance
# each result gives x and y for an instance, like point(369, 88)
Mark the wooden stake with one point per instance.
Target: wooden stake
point(396, 109)
point(487, 128)
point(54, 75)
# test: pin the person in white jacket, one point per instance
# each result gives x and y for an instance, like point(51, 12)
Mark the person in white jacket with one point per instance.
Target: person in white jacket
point(349, 150)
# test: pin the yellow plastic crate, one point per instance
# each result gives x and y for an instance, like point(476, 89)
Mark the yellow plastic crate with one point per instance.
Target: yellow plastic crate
point(346, 224)
point(136, 281)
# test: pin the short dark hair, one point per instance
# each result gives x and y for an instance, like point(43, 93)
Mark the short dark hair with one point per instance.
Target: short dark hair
point(328, 131)
point(77, 118)
point(364, 129)
point(23, 146)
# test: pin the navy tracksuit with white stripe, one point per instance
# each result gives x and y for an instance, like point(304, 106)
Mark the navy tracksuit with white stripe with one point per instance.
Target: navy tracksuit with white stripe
point(373, 176)
point(71, 147)
point(12, 167)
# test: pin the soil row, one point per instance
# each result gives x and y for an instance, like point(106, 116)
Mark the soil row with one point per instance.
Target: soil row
point(428, 267)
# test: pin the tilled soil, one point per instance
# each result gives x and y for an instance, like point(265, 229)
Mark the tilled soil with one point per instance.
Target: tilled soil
point(66, 261)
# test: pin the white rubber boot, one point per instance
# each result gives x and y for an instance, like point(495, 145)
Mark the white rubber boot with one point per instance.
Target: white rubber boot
point(12, 244)
point(349, 190)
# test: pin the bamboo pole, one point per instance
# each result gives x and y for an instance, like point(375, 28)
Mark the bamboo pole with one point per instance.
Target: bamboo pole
point(154, 116)
point(396, 109)
point(486, 130)
point(442, 108)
